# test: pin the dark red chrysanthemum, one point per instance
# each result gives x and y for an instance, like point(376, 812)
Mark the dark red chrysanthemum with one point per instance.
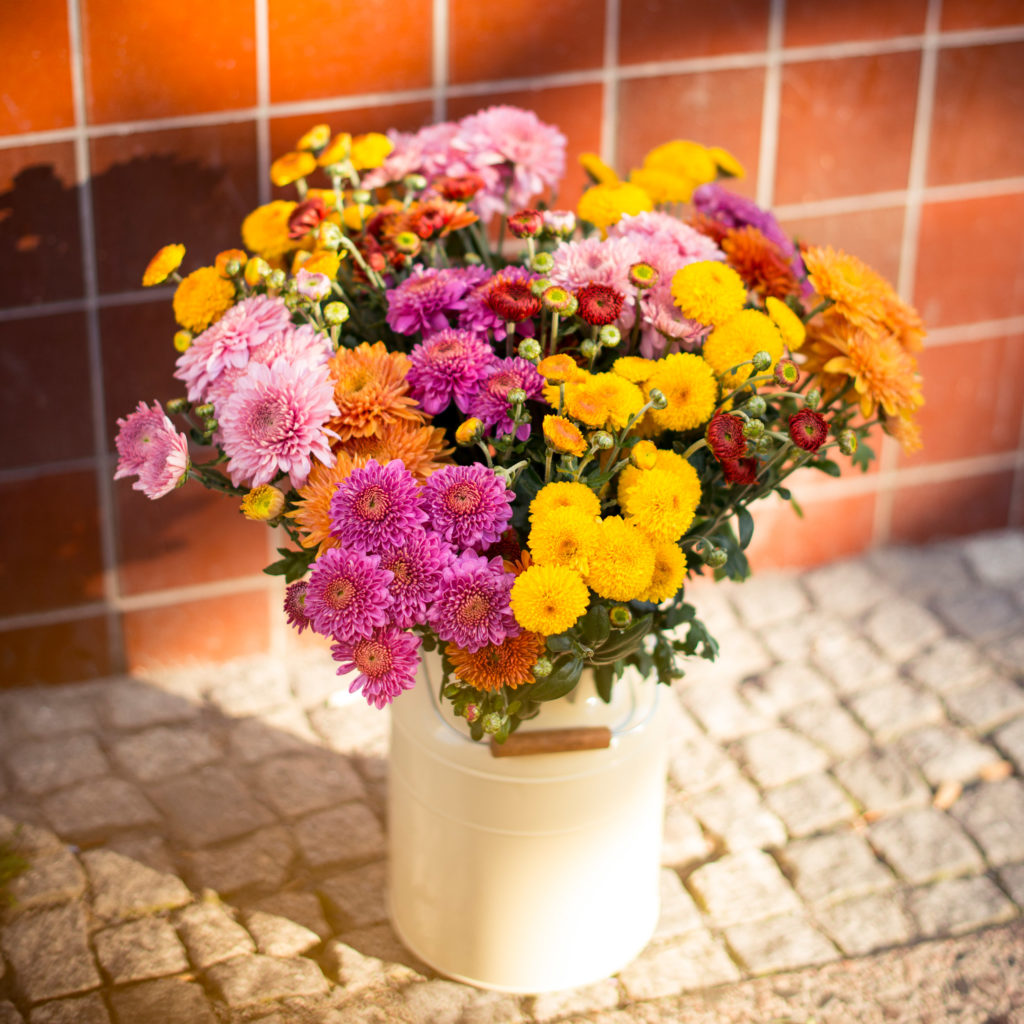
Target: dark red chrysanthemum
point(459, 188)
point(306, 216)
point(513, 301)
point(599, 304)
point(526, 223)
point(725, 437)
point(740, 471)
point(808, 429)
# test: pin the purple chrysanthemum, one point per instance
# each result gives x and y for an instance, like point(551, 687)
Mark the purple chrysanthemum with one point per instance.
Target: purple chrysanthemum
point(274, 422)
point(385, 663)
point(472, 607)
point(489, 402)
point(347, 594)
point(149, 447)
point(295, 605)
point(424, 300)
point(375, 506)
point(416, 564)
point(447, 365)
point(469, 506)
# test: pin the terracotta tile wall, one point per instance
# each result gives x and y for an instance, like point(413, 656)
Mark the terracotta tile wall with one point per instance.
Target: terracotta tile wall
point(892, 129)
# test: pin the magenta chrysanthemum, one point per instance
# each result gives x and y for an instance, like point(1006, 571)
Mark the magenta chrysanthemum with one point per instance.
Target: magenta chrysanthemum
point(274, 422)
point(149, 447)
point(469, 506)
point(385, 662)
point(347, 594)
point(295, 605)
point(447, 365)
point(424, 300)
point(416, 564)
point(489, 402)
point(376, 506)
point(472, 608)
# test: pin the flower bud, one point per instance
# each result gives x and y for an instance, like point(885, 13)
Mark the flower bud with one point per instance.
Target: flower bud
point(556, 298)
point(491, 722)
point(516, 396)
point(451, 691)
point(256, 270)
point(529, 348)
point(602, 439)
point(361, 197)
point(786, 372)
point(233, 267)
point(588, 348)
point(263, 503)
point(560, 222)
point(658, 399)
point(204, 411)
point(277, 279)
point(847, 442)
point(336, 313)
point(539, 285)
point(210, 425)
point(609, 336)
point(526, 223)
point(330, 235)
point(812, 399)
point(763, 445)
point(182, 340)
point(644, 455)
point(543, 668)
point(469, 432)
point(762, 361)
point(753, 429)
point(414, 182)
point(542, 263)
point(472, 259)
point(643, 276)
point(716, 557)
point(620, 616)
point(312, 286)
point(408, 243)
point(755, 406)
point(177, 405)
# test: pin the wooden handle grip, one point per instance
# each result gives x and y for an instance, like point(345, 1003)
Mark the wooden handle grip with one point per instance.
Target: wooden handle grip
point(553, 741)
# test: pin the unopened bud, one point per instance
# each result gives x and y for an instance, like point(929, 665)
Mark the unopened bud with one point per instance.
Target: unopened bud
point(469, 432)
point(529, 348)
point(263, 503)
point(472, 712)
point(277, 279)
point(609, 336)
point(543, 668)
point(762, 361)
point(451, 691)
point(361, 197)
point(812, 399)
point(177, 405)
point(602, 439)
point(753, 429)
point(755, 406)
point(643, 276)
point(539, 285)
point(644, 455)
point(763, 445)
point(620, 616)
point(210, 425)
point(336, 313)
point(516, 396)
point(786, 372)
point(542, 263)
point(716, 557)
point(256, 270)
point(232, 267)
point(415, 182)
point(658, 399)
point(204, 411)
point(330, 236)
point(472, 259)
point(408, 243)
point(588, 348)
point(491, 722)
point(847, 442)
point(182, 340)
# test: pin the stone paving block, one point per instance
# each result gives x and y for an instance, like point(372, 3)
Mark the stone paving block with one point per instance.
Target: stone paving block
point(993, 814)
point(9, 1013)
point(679, 913)
point(123, 888)
point(139, 950)
point(866, 923)
point(950, 664)
point(48, 953)
point(744, 886)
point(355, 728)
point(683, 840)
point(722, 711)
point(247, 980)
point(882, 782)
point(342, 835)
point(277, 936)
point(925, 845)
point(356, 898)
point(209, 806)
point(693, 961)
point(779, 943)
point(492, 1008)
point(53, 875)
point(280, 731)
point(251, 689)
point(996, 558)
point(165, 1001)
point(1010, 740)
point(811, 804)
point(45, 765)
point(895, 708)
point(769, 598)
point(1009, 652)
point(834, 867)
point(1012, 878)
point(355, 971)
point(164, 751)
point(792, 641)
point(150, 850)
point(696, 764)
point(832, 727)
point(947, 754)
point(783, 688)
point(211, 935)
point(921, 571)
point(261, 860)
point(744, 655)
point(979, 614)
point(736, 814)
point(588, 999)
point(777, 756)
point(959, 905)
point(850, 661)
point(297, 784)
point(436, 1002)
point(92, 810)
point(44, 712)
point(88, 1009)
point(301, 907)
point(901, 628)
point(313, 677)
point(849, 587)
point(135, 705)
point(988, 704)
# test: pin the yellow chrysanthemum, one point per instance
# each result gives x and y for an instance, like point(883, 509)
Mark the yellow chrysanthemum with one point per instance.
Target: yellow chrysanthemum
point(469, 432)
point(622, 398)
point(604, 205)
point(316, 138)
point(563, 436)
point(355, 215)
point(561, 495)
point(163, 264)
point(509, 663)
point(370, 150)
point(292, 166)
point(664, 458)
point(597, 170)
point(643, 455)
point(558, 368)
point(587, 402)
point(265, 230)
point(662, 503)
point(238, 256)
point(669, 572)
point(708, 291)
point(323, 261)
point(548, 599)
point(689, 384)
point(202, 299)
point(563, 538)
point(726, 163)
point(621, 561)
point(262, 503)
point(337, 150)
point(663, 186)
point(736, 342)
point(685, 158)
point(790, 326)
point(634, 368)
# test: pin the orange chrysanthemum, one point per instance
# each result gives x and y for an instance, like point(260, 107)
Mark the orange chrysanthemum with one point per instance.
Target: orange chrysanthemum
point(421, 448)
point(312, 511)
point(759, 262)
point(857, 291)
point(564, 436)
point(370, 390)
point(509, 663)
point(163, 264)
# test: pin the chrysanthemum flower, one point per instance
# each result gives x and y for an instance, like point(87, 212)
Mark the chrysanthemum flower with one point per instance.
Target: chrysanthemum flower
point(564, 538)
point(564, 436)
point(585, 402)
point(622, 398)
point(423, 302)
point(490, 400)
point(621, 561)
point(663, 186)
point(685, 158)
point(448, 365)
point(422, 448)
point(603, 205)
point(295, 605)
point(375, 507)
point(513, 301)
point(724, 434)
point(469, 506)
point(292, 166)
point(764, 268)
point(323, 261)
point(688, 382)
point(416, 565)
point(857, 292)
point(790, 326)
point(202, 298)
point(265, 230)
point(599, 304)
point(740, 471)
point(564, 494)
point(316, 138)
point(347, 595)
point(597, 170)
point(370, 150)
point(808, 429)
point(669, 572)
point(312, 511)
point(274, 422)
point(548, 599)
point(708, 291)
point(226, 256)
point(736, 341)
point(163, 264)
point(370, 389)
point(149, 447)
point(472, 605)
point(635, 369)
point(509, 663)
point(263, 503)
point(664, 458)
point(526, 223)
point(385, 663)
point(558, 368)
point(662, 503)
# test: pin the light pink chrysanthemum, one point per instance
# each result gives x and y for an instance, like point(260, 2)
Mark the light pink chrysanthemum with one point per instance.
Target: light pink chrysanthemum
point(448, 365)
point(664, 235)
point(274, 422)
point(596, 261)
point(469, 506)
point(386, 662)
point(416, 564)
point(149, 447)
point(472, 607)
point(375, 507)
point(347, 594)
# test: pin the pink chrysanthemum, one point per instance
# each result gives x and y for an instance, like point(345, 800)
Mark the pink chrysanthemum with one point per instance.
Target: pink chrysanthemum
point(149, 447)
point(660, 232)
point(295, 605)
point(469, 506)
point(597, 261)
point(447, 365)
point(347, 594)
point(416, 564)
point(472, 607)
point(274, 422)
point(489, 402)
point(229, 342)
point(385, 662)
point(376, 506)
point(424, 300)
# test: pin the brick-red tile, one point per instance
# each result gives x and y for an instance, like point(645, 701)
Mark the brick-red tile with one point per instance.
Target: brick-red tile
point(962, 14)
point(811, 23)
point(61, 652)
point(952, 508)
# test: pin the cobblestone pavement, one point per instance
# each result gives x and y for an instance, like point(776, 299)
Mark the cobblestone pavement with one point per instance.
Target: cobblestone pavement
point(844, 829)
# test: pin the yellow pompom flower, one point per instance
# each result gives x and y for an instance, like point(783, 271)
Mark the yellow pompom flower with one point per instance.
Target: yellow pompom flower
point(263, 503)
point(664, 458)
point(643, 455)
point(469, 432)
point(621, 560)
point(163, 264)
point(316, 138)
point(736, 342)
point(688, 383)
point(292, 166)
point(663, 186)
point(558, 368)
point(790, 326)
point(202, 299)
point(726, 163)
point(370, 150)
point(548, 599)
point(355, 215)
point(564, 538)
point(684, 158)
point(337, 152)
point(586, 402)
point(563, 436)
point(669, 572)
point(265, 230)
point(708, 291)
point(622, 398)
point(561, 495)
point(604, 205)
point(323, 261)
point(662, 503)
point(597, 170)
point(634, 368)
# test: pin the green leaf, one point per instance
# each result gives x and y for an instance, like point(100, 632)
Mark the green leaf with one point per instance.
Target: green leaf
point(863, 456)
point(746, 524)
point(559, 642)
point(827, 466)
point(604, 679)
point(528, 483)
point(293, 565)
point(595, 626)
point(562, 680)
point(624, 642)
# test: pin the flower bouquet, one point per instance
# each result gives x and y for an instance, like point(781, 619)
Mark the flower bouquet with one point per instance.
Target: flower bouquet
point(510, 433)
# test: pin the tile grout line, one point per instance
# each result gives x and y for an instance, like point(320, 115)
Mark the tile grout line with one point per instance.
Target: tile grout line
point(440, 59)
point(90, 276)
point(771, 105)
point(610, 81)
